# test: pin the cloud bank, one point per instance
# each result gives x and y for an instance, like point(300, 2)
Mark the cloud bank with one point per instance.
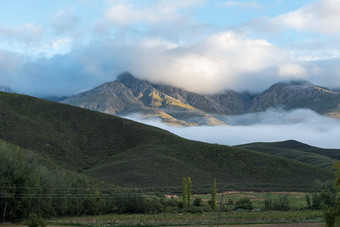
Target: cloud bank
point(164, 42)
point(270, 126)
point(222, 61)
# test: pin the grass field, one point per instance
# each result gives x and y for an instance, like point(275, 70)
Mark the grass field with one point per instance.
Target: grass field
point(297, 214)
point(170, 219)
point(296, 200)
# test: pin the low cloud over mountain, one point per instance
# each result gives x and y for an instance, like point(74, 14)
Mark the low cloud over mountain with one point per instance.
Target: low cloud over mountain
point(269, 126)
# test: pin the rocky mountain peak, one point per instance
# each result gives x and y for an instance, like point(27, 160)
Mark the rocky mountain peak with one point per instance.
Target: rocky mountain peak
point(126, 77)
point(295, 84)
point(173, 105)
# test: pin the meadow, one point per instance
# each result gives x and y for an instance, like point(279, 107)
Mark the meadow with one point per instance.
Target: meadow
point(297, 213)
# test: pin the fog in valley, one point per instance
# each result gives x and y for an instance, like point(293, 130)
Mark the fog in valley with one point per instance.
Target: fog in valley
point(273, 125)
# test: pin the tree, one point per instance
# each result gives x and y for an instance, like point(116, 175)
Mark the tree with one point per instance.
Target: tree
point(332, 214)
point(184, 191)
point(213, 195)
point(189, 190)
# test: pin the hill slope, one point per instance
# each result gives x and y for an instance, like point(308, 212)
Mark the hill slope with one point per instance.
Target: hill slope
point(323, 158)
point(127, 153)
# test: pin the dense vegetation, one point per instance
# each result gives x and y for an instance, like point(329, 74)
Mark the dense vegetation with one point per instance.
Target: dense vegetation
point(332, 212)
point(127, 153)
point(32, 186)
point(29, 184)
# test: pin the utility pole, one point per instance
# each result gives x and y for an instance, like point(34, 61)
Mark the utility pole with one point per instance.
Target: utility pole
point(219, 211)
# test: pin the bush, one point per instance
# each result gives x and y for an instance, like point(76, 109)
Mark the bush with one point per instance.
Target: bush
point(194, 210)
point(180, 205)
point(281, 204)
point(197, 202)
point(243, 204)
point(230, 202)
point(319, 201)
point(329, 216)
point(35, 221)
point(268, 204)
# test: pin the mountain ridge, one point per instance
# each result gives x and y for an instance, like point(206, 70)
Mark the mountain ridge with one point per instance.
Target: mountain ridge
point(176, 106)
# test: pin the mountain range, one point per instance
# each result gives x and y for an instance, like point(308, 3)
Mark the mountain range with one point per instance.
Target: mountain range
point(176, 106)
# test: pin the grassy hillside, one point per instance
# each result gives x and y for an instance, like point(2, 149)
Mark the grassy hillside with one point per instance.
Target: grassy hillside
point(323, 158)
point(127, 153)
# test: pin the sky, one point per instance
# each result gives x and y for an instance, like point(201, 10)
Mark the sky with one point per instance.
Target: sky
point(65, 47)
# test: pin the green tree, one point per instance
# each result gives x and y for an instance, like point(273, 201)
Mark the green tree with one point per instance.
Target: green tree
point(189, 191)
point(213, 195)
point(184, 191)
point(332, 214)
point(337, 185)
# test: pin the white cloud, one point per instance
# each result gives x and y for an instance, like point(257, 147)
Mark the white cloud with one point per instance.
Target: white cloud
point(292, 70)
point(27, 33)
point(242, 4)
point(321, 17)
point(64, 21)
point(124, 13)
point(160, 41)
point(222, 61)
point(270, 126)
point(155, 18)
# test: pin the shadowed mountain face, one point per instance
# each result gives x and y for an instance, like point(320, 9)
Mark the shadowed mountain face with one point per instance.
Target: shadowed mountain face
point(128, 95)
point(298, 94)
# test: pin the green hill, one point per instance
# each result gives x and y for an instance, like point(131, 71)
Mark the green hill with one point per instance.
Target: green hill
point(126, 153)
point(323, 158)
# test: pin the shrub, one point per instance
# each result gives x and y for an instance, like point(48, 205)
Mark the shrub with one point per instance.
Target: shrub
point(197, 202)
point(194, 210)
point(281, 204)
point(329, 215)
point(230, 202)
point(35, 221)
point(244, 204)
point(319, 201)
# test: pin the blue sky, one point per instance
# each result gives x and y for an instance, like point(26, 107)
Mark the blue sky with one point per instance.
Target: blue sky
point(65, 47)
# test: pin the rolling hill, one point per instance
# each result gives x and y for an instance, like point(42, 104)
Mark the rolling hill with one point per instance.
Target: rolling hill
point(323, 158)
point(126, 153)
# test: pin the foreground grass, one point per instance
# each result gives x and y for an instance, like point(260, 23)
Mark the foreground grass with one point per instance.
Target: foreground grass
point(169, 219)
